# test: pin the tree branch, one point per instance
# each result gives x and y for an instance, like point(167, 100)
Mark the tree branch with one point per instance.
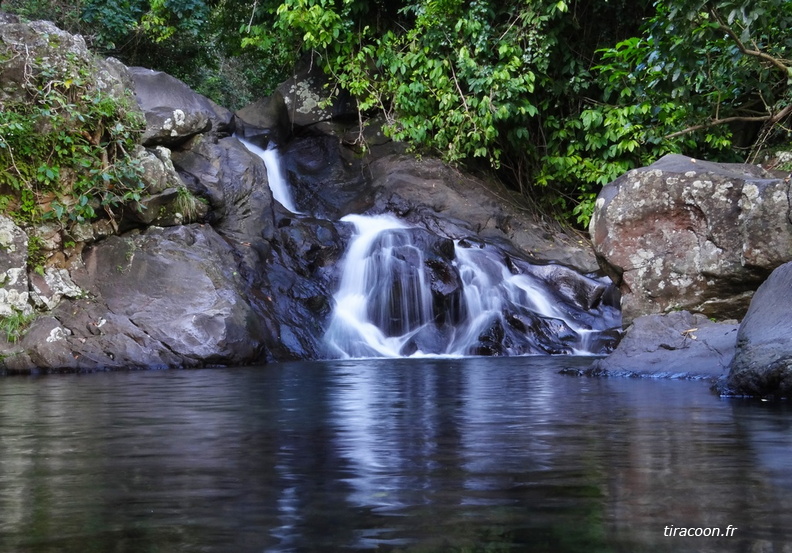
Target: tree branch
point(252, 14)
point(775, 62)
point(772, 119)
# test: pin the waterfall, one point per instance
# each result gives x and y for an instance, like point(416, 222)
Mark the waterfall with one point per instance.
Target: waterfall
point(405, 291)
point(277, 182)
point(391, 304)
point(383, 298)
point(491, 289)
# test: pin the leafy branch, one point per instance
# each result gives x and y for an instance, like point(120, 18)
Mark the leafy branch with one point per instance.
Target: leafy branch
point(779, 64)
point(66, 144)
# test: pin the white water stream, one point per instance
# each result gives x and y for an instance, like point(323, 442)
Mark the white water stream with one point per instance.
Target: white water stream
point(277, 182)
point(384, 304)
point(364, 301)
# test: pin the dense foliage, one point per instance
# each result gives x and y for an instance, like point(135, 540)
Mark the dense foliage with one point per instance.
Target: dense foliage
point(557, 96)
point(65, 144)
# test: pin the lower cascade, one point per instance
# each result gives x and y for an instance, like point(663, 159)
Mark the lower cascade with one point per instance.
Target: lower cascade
point(407, 292)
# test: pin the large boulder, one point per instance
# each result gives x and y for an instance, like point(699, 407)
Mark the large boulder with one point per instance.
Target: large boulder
point(29, 47)
point(675, 345)
point(163, 298)
point(265, 120)
point(314, 103)
point(694, 235)
point(173, 111)
point(762, 364)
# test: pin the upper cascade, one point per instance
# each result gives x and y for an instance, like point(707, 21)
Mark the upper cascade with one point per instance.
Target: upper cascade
point(406, 292)
point(277, 182)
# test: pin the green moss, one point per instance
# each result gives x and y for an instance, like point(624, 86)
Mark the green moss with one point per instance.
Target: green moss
point(13, 326)
point(36, 256)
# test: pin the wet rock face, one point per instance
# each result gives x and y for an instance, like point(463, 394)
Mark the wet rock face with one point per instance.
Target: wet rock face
point(762, 364)
point(294, 286)
point(694, 235)
point(327, 179)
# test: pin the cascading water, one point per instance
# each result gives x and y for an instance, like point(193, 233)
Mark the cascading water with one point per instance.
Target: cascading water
point(523, 301)
point(408, 292)
point(277, 183)
point(389, 304)
point(383, 298)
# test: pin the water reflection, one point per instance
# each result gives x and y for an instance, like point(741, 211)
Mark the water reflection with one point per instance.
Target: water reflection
point(388, 455)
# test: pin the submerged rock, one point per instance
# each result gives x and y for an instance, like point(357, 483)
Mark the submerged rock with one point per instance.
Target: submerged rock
point(762, 365)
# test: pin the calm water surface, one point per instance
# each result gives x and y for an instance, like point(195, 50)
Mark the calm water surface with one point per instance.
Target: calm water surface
point(399, 455)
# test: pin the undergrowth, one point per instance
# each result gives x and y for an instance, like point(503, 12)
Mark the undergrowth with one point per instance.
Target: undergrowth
point(64, 142)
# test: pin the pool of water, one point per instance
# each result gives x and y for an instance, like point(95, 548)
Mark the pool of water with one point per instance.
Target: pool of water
point(418, 455)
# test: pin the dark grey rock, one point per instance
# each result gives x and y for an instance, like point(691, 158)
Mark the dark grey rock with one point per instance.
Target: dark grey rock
point(328, 180)
point(234, 183)
point(164, 298)
point(674, 345)
point(265, 120)
point(294, 286)
point(762, 365)
point(46, 345)
point(173, 111)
